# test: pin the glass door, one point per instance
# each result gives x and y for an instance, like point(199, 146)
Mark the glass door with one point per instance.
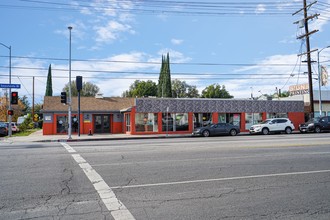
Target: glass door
point(101, 123)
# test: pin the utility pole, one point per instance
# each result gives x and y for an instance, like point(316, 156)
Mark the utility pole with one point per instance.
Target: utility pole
point(33, 98)
point(308, 52)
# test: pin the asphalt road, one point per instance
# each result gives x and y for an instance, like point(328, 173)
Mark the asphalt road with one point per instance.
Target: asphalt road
point(242, 177)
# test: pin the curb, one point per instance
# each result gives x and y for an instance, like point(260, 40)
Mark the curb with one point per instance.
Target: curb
point(113, 138)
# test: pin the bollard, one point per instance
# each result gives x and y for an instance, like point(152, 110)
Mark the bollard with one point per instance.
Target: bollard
point(90, 132)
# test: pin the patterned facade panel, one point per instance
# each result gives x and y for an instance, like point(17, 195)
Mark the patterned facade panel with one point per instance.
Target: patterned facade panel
point(216, 105)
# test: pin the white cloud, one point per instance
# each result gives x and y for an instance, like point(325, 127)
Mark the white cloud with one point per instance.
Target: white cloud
point(176, 41)
point(108, 18)
point(269, 74)
point(111, 31)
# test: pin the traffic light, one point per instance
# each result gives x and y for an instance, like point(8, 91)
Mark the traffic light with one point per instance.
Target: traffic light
point(14, 98)
point(63, 97)
point(10, 112)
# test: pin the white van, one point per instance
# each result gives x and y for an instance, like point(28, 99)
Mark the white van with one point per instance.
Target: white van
point(21, 119)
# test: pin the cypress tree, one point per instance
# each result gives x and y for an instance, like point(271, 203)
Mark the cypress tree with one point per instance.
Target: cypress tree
point(164, 82)
point(168, 84)
point(49, 87)
point(160, 90)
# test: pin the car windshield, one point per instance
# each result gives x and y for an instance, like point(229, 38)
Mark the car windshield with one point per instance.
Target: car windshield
point(265, 122)
point(313, 120)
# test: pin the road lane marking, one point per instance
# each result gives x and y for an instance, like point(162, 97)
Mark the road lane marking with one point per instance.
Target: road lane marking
point(325, 153)
point(68, 148)
point(117, 209)
point(221, 179)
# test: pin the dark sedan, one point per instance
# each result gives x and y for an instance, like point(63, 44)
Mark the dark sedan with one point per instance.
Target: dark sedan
point(217, 129)
point(316, 125)
point(3, 129)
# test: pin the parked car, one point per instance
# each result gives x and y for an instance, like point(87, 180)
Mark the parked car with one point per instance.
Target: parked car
point(217, 129)
point(3, 129)
point(273, 125)
point(14, 127)
point(316, 125)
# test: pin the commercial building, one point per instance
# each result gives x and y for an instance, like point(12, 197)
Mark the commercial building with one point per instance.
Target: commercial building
point(324, 97)
point(162, 115)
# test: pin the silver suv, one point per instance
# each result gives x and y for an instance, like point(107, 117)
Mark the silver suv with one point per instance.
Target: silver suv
point(273, 125)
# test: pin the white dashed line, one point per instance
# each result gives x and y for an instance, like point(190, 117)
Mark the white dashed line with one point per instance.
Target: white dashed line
point(69, 148)
point(117, 209)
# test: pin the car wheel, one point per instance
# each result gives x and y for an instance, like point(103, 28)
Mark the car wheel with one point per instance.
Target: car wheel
point(288, 130)
point(317, 129)
point(265, 131)
point(233, 132)
point(206, 133)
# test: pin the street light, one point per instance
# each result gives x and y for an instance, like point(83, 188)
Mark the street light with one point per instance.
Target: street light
point(319, 74)
point(70, 100)
point(9, 119)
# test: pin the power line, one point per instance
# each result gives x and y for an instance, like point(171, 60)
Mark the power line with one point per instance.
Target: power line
point(147, 62)
point(167, 7)
point(260, 76)
point(141, 72)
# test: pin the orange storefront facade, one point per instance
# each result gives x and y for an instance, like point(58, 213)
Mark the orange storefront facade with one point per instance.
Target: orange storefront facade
point(161, 115)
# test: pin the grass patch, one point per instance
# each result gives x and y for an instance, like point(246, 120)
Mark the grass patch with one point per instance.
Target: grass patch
point(25, 133)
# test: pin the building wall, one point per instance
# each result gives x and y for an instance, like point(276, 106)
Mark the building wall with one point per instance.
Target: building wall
point(296, 118)
point(156, 107)
point(216, 105)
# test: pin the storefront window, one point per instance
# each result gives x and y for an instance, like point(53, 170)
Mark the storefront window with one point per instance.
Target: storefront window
point(202, 119)
point(167, 122)
point(235, 119)
point(146, 122)
point(317, 114)
point(231, 118)
point(61, 124)
point(128, 122)
point(251, 119)
point(222, 118)
point(175, 122)
point(74, 123)
point(181, 122)
point(277, 115)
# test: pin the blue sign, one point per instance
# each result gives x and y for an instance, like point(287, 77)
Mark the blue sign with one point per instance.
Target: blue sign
point(12, 86)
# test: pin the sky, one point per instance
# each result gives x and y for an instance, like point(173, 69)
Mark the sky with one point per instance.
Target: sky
point(250, 47)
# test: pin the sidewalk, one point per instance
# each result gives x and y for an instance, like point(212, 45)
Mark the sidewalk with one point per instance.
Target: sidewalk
point(38, 137)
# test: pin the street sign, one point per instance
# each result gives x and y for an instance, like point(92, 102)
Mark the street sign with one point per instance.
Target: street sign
point(12, 86)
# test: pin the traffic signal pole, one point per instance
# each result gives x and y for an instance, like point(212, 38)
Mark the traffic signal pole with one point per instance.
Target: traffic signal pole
point(9, 116)
point(70, 96)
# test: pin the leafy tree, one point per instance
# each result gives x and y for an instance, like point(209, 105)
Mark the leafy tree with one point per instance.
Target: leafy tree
point(27, 124)
point(284, 94)
point(192, 92)
point(181, 89)
point(49, 87)
point(37, 108)
point(164, 82)
point(141, 89)
point(88, 89)
point(215, 91)
point(27, 108)
point(18, 109)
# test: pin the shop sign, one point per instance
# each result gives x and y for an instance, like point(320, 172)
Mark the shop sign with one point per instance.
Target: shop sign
point(299, 89)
